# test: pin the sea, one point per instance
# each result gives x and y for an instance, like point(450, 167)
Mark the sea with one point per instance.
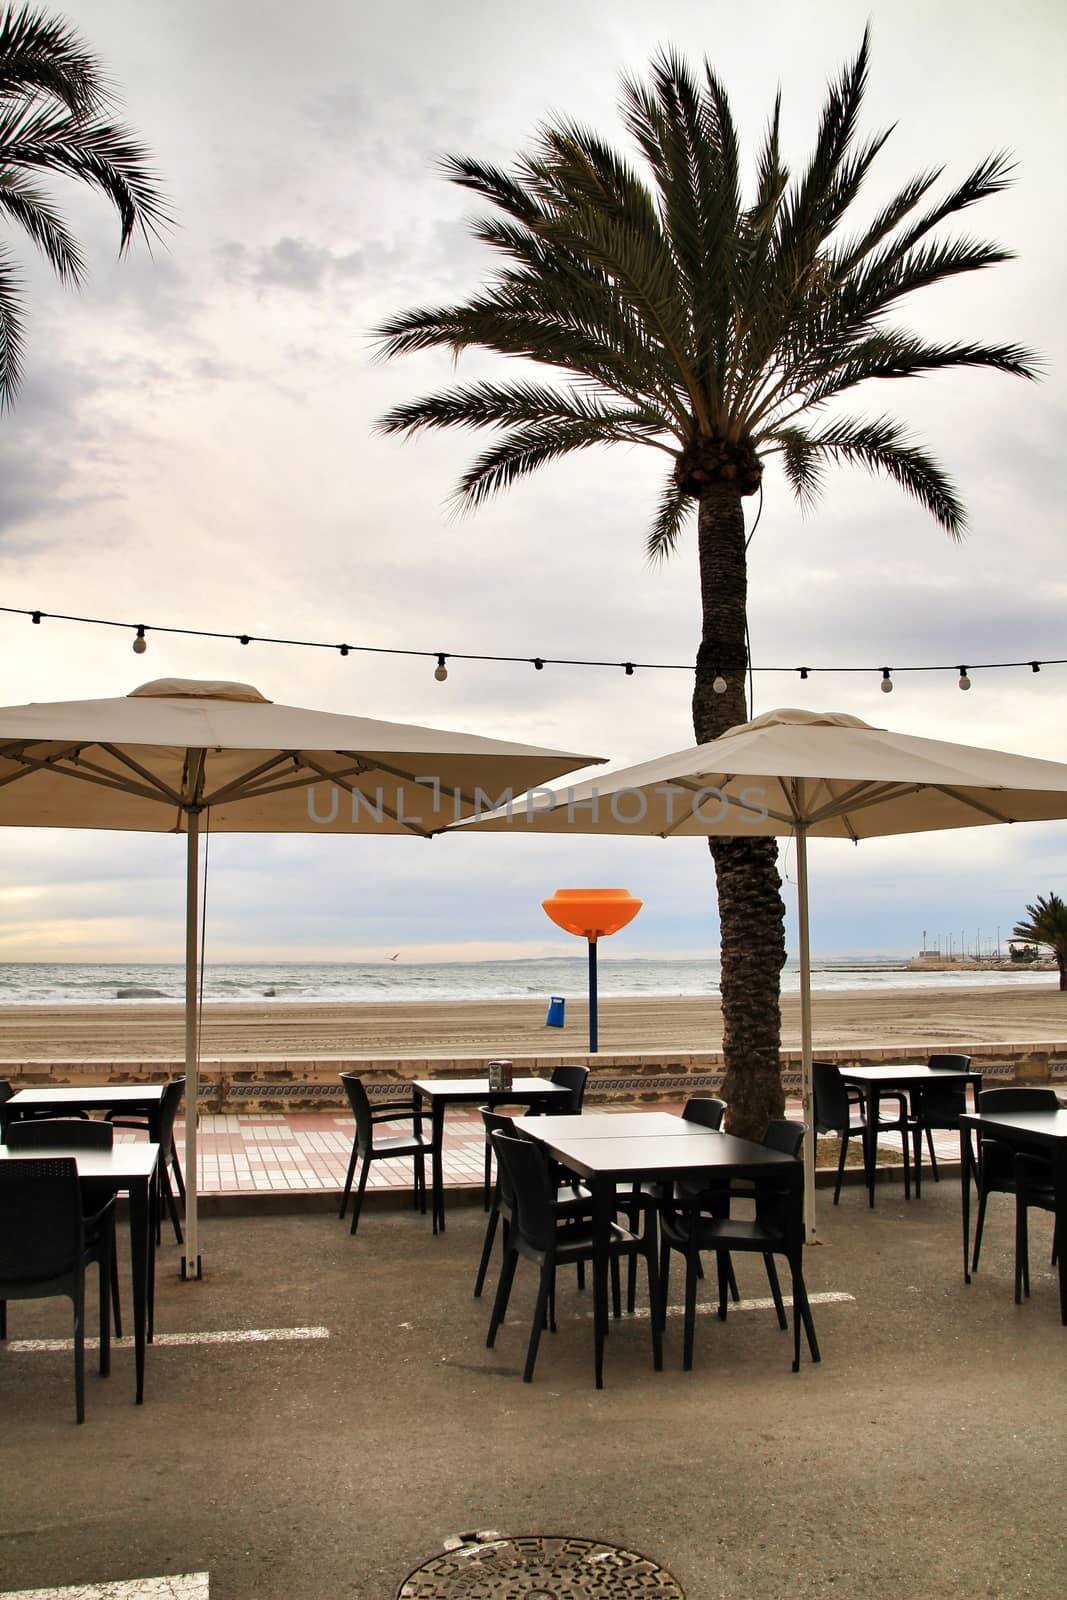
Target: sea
point(98, 983)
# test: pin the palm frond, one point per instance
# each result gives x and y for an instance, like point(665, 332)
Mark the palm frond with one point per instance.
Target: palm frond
point(40, 54)
point(880, 446)
point(674, 508)
point(902, 355)
point(517, 455)
point(484, 405)
point(32, 209)
point(11, 340)
point(803, 464)
point(804, 220)
point(101, 154)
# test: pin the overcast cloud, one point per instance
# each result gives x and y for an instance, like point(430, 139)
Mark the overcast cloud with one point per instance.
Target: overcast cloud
point(193, 446)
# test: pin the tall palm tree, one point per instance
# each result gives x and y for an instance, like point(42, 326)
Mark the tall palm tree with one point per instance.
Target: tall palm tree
point(674, 315)
point(54, 105)
point(1047, 925)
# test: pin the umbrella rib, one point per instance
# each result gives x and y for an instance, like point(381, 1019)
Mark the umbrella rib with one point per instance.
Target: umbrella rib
point(340, 779)
point(84, 771)
point(151, 778)
point(240, 787)
point(969, 800)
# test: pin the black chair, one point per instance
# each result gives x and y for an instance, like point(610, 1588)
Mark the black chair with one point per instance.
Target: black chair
point(46, 1243)
point(367, 1146)
point(76, 1133)
point(841, 1109)
point(170, 1100)
point(571, 1200)
point(998, 1173)
point(550, 1237)
point(694, 1223)
point(564, 1077)
point(707, 1111)
point(942, 1106)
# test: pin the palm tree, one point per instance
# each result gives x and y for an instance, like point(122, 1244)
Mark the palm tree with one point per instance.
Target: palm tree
point(54, 100)
point(673, 315)
point(1047, 925)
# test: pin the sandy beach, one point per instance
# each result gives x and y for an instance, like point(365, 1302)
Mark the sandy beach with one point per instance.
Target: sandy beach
point(941, 1015)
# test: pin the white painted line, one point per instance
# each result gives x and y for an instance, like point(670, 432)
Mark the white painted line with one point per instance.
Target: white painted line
point(165, 1340)
point(829, 1297)
point(178, 1586)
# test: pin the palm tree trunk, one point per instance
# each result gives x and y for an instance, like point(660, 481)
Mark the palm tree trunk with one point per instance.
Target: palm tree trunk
point(751, 913)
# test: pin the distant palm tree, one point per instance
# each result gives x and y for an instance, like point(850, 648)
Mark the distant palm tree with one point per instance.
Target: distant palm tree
point(1047, 925)
point(716, 332)
point(54, 101)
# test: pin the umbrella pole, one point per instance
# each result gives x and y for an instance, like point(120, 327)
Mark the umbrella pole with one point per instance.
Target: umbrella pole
point(592, 999)
point(810, 1236)
point(191, 1264)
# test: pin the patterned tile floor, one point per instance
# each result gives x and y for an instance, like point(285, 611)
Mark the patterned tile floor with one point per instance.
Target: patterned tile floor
point(247, 1154)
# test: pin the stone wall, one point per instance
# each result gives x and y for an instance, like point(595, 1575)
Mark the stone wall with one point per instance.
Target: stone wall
point(237, 1084)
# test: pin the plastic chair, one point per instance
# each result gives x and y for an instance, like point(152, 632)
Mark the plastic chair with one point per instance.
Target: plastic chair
point(998, 1173)
point(707, 1111)
point(941, 1106)
point(835, 1105)
point(571, 1200)
point(691, 1224)
point(368, 1147)
point(168, 1155)
point(573, 1078)
point(46, 1243)
point(544, 1233)
point(75, 1133)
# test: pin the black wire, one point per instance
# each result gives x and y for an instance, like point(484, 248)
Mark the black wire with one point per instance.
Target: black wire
point(629, 667)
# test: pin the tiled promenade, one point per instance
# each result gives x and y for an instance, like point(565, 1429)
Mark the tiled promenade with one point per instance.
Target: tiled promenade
point(305, 1151)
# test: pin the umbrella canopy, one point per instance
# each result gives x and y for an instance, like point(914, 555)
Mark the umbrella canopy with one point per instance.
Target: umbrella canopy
point(174, 752)
point(801, 773)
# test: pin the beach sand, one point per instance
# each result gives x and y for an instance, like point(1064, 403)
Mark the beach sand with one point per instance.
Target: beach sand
point(941, 1015)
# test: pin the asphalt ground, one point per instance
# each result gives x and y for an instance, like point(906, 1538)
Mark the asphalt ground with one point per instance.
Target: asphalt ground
point(924, 1457)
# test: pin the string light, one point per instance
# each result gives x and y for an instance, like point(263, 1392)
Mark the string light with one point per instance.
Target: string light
point(539, 663)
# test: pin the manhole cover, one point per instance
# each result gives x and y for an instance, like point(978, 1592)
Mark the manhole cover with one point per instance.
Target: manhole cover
point(491, 1567)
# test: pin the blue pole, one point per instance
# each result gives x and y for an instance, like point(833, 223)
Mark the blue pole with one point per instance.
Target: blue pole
point(592, 998)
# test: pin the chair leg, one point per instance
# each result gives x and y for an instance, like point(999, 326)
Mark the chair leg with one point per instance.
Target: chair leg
point(907, 1165)
point(172, 1207)
point(503, 1294)
point(802, 1309)
point(3, 1319)
point(1022, 1250)
point(79, 1351)
point(487, 1250)
point(776, 1290)
point(420, 1183)
point(723, 1268)
point(357, 1204)
point(544, 1293)
point(116, 1308)
point(933, 1157)
point(616, 1289)
point(840, 1167)
point(690, 1310)
point(979, 1225)
point(176, 1168)
point(487, 1176)
point(654, 1315)
point(664, 1276)
point(346, 1191)
point(106, 1276)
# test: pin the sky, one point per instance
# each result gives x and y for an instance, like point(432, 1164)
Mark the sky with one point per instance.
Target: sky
point(194, 446)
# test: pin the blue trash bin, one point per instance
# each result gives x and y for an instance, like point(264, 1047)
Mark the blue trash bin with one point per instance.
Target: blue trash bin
point(556, 1007)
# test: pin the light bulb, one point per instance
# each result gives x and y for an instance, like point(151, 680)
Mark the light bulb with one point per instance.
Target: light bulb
point(719, 684)
point(440, 672)
point(887, 682)
point(965, 682)
point(140, 644)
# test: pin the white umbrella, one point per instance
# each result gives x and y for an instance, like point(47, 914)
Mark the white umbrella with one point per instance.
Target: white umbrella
point(174, 752)
point(804, 774)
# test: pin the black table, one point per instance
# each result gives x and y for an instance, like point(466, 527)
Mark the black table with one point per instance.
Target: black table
point(129, 1099)
point(638, 1153)
point(443, 1092)
point(1043, 1131)
point(130, 1167)
point(910, 1079)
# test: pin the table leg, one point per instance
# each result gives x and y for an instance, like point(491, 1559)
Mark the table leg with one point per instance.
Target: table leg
point(870, 1142)
point(1059, 1189)
point(915, 1108)
point(437, 1163)
point(603, 1196)
point(140, 1229)
point(966, 1156)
